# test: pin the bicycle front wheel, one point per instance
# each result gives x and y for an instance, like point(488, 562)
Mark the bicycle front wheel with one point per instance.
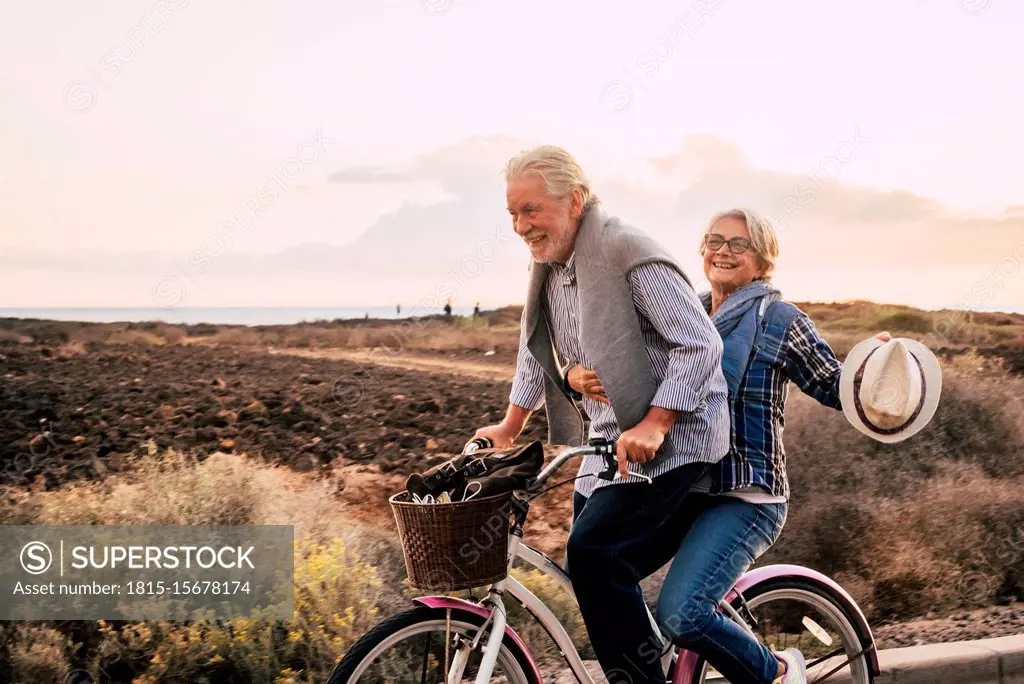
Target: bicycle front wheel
point(791, 613)
point(411, 647)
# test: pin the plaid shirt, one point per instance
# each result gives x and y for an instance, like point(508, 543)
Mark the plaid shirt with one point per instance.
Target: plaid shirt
point(757, 457)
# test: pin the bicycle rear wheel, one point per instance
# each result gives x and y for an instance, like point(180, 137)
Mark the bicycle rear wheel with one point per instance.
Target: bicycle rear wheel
point(791, 613)
point(410, 647)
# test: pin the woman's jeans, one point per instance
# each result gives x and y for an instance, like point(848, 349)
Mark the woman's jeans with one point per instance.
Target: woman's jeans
point(726, 536)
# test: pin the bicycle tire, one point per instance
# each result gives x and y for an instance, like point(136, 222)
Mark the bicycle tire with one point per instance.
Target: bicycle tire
point(386, 629)
point(862, 674)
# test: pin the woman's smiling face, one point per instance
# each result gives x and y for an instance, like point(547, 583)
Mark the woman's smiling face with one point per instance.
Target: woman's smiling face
point(722, 267)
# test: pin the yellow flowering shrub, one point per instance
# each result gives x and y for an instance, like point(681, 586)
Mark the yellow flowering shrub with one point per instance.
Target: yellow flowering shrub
point(336, 597)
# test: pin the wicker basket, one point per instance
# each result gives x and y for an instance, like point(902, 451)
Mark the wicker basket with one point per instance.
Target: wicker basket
point(454, 546)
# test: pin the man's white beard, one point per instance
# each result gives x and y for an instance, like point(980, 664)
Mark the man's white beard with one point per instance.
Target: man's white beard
point(565, 244)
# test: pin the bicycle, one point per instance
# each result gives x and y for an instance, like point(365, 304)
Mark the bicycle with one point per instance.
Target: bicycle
point(479, 646)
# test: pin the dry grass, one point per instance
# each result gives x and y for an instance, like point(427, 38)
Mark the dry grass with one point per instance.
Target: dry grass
point(850, 322)
point(935, 522)
point(346, 575)
point(903, 524)
point(957, 541)
point(843, 324)
point(39, 654)
point(931, 523)
point(12, 336)
point(561, 604)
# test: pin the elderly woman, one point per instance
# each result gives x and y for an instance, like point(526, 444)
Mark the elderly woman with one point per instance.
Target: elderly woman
point(740, 506)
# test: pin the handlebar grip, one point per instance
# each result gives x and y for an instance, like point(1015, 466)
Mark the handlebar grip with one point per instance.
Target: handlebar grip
point(478, 444)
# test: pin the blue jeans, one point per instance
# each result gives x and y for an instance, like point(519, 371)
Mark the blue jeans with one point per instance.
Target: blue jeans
point(620, 535)
point(724, 539)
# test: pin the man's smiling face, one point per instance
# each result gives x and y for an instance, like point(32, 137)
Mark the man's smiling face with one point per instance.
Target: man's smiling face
point(547, 226)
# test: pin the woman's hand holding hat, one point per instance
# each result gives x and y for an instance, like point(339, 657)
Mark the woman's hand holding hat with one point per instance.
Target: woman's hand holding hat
point(889, 388)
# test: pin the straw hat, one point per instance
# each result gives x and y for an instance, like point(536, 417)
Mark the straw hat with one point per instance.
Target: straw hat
point(890, 390)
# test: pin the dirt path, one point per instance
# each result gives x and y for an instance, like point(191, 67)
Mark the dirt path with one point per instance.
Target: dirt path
point(452, 365)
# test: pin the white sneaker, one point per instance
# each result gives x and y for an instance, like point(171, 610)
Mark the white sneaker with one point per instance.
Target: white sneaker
point(796, 667)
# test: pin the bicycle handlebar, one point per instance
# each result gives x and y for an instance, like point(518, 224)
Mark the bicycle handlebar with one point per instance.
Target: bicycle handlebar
point(597, 445)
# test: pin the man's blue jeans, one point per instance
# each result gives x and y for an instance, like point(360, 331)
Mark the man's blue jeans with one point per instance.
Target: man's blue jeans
point(620, 535)
point(725, 537)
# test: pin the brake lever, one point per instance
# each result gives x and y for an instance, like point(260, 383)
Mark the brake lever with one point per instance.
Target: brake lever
point(607, 451)
point(634, 474)
point(611, 470)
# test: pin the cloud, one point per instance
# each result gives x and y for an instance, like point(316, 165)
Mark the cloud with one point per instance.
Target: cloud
point(823, 222)
point(462, 168)
point(368, 174)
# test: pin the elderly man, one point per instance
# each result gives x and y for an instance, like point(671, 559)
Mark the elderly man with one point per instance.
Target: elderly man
point(606, 297)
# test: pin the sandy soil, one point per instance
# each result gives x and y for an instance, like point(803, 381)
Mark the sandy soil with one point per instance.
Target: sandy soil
point(477, 366)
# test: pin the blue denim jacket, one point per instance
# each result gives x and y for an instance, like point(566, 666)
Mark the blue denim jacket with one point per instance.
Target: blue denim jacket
point(788, 347)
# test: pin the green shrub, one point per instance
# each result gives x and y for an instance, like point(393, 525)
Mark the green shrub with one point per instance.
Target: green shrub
point(904, 322)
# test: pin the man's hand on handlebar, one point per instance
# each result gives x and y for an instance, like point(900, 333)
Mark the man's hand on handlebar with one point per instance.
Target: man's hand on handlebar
point(501, 435)
point(638, 444)
point(504, 433)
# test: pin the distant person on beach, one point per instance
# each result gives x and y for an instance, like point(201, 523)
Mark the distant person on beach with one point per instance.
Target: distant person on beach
point(605, 295)
point(398, 309)
point(448, 308)
point(476, 310)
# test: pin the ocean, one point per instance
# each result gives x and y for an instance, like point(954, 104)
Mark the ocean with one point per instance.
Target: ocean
point(244, 315)
point(224, 315)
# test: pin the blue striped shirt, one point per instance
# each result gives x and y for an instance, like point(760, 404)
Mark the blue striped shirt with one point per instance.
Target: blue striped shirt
point(685, 353)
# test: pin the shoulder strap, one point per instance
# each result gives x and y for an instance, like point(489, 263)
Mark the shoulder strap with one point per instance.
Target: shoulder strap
point(778, 313)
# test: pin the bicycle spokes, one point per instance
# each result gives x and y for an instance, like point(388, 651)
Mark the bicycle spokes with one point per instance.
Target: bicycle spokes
point(431, 653)
point(798, 619)
point(794, 624)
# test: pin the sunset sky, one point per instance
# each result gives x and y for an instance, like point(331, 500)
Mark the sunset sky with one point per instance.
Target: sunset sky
point(359, 146)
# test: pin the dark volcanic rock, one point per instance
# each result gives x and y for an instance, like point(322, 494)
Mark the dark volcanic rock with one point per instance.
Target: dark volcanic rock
point(67, 417)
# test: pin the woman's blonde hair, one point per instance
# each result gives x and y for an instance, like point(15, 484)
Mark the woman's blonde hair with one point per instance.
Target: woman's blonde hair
point(762, 237)
point(559, 169)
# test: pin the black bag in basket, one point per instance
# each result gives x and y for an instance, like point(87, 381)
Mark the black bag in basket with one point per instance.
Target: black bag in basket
point(497, 470)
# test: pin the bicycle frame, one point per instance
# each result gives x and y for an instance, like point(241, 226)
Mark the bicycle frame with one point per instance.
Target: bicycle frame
point(493, 607)
point(680, 663)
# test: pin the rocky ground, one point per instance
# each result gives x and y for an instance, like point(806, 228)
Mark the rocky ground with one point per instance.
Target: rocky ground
point(983, 623)
point(71, 411)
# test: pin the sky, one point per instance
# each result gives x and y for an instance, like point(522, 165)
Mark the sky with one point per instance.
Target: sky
point(315, 153)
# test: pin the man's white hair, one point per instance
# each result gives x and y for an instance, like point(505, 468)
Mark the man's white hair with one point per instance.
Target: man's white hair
point(559, 169)
point(762, 237)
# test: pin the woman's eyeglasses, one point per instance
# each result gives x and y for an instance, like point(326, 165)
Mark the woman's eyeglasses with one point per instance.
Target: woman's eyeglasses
point(714, 242)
